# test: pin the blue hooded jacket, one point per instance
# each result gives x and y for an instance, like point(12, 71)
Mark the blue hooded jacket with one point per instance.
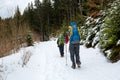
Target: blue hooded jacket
point(75, 37)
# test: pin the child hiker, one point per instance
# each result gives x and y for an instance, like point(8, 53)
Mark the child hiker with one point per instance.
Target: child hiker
point(60, 43)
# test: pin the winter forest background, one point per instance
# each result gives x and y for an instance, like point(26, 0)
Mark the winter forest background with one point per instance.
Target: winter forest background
point(98, 21)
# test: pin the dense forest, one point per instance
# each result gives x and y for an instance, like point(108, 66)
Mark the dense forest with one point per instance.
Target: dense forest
point(98, 21)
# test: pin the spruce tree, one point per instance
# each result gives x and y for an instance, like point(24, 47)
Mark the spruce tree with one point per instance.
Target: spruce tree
point(110, 31)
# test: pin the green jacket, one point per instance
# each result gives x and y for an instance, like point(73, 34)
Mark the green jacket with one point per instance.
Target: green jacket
point(60, 40)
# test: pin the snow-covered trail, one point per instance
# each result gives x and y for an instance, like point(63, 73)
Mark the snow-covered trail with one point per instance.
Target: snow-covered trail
point(46, 64)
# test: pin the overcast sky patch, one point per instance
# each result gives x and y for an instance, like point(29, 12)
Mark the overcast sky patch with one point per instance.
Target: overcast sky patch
point(7, 7)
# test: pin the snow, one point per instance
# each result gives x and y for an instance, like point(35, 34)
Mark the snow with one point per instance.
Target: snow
point(45, 63)
point(118, 43)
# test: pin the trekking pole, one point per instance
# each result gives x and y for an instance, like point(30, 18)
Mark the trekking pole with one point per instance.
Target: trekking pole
point(66, 54)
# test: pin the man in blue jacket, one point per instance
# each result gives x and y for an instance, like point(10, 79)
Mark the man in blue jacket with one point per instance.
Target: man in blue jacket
point(74, 45)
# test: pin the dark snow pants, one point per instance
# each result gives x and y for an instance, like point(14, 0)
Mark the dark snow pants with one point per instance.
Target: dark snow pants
point(61, 49)
point(74, 53)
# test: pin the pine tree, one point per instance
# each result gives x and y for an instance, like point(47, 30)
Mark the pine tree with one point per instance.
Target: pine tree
point(47, 13)
point(17, 17)
point(110, 31)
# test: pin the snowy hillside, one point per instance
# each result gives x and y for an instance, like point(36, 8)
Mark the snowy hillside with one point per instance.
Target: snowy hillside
point(45, 63)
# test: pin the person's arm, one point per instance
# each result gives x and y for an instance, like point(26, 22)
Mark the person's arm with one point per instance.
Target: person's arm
point(57, 41)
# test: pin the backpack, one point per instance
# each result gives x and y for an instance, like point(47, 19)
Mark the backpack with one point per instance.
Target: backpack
point(74, 33)
point(60, 40)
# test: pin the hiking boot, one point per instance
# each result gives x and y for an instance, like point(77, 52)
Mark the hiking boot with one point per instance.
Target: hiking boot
point(78, 64)
point(73, 66)
point(62, 55)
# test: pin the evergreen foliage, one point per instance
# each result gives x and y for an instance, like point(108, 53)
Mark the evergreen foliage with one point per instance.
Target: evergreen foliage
point(110, 30)
point(104, 31)
point(29, 39)
point(91, 31)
